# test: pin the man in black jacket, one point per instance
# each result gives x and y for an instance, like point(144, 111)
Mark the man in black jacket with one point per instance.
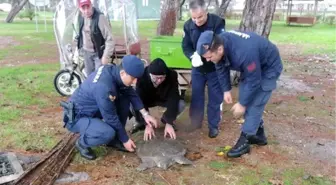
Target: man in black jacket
point(158, 86)
point(202, 72)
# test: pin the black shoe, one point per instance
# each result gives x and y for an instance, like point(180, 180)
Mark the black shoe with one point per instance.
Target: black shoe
point(117, 145)
point(213, 132)
point(242, 147)
point(259, 138)
point(137, 127)
point(87, 153)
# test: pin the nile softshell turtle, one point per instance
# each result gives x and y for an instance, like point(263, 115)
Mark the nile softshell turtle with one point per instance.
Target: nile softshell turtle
point(161, 153)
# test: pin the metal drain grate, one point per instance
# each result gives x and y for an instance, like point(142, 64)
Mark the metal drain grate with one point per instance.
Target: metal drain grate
point(6, 167)
point(10, 168)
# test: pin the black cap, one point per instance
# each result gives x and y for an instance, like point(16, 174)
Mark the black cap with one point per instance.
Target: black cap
point(157, 67)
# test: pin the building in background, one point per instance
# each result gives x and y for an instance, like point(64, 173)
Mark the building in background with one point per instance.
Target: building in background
point(145, 9)
point(148, 9)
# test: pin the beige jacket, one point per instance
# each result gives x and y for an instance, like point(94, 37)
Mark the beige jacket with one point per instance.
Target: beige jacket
point(106, 31)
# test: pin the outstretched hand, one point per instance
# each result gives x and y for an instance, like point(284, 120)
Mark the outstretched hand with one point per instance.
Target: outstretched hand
point(238, 110)
point(151, 121)
point(130, 145)
point(149, 133)
point(169, 130)
point(228, 97)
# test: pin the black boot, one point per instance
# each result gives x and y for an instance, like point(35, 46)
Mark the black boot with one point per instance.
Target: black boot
point(87, 153)
point(259, 138)
point(118, 145)
point(213, 132)
point(242, 147)
point(138, 127)
point(139, 123)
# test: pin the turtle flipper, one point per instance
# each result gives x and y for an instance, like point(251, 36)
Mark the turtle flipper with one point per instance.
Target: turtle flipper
point(182, 160)
point(142, 167)
point(164, 163)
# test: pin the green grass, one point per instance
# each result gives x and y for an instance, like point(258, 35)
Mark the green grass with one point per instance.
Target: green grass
point(100, 151)
point(219, 164)
point(296, 176)
point(41, 16)
point(263, 174)
point(23, 91)
point(303, 98)
point(8, 113)
point(24, 86)
point(251, 177)
point(318, 39)
point(27, 41)
point(27, 30)
point(291, 176)
point(26, 140)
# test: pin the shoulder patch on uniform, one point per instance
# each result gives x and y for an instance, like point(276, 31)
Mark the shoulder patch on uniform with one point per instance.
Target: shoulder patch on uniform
point(251, 67)
point(112, 98)
point(206, 46)
point(112, 94)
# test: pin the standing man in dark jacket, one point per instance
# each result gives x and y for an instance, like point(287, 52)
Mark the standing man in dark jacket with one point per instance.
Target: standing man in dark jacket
point(158, 86)
point(95, 37)
point(259, 63)
point(100, 106)
point(202, 72)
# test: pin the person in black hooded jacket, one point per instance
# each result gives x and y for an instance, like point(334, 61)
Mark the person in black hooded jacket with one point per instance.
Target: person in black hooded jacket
point(158, 86)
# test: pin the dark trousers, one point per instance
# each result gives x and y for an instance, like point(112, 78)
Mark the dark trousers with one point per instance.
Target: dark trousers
point(254, 112)
point(94, 131)
point(215, 98)
point(91, 62)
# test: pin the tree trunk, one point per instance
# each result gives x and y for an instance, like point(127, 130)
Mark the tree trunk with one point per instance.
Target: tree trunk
point(180, 10)
point(167, 22)
point(221, 9)
point(17, 5)
point(258, 16)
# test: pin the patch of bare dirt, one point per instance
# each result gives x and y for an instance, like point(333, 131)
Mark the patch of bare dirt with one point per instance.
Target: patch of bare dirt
point(301, 116)
point(28, 56)
point(49, 55)
point(8, 41)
